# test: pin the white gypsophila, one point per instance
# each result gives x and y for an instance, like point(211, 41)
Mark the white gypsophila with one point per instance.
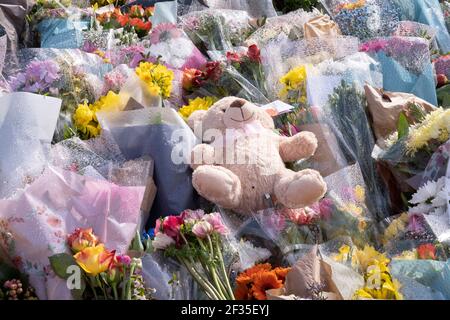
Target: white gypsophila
point(174, 52)
point(428, 191)
point(162, 241)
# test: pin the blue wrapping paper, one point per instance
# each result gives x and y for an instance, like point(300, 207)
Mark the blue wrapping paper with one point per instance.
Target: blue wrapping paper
point(62, 33)
point(397, 78)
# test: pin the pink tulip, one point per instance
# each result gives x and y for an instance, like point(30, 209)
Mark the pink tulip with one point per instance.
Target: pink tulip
point(215, 220)
point(202, 229)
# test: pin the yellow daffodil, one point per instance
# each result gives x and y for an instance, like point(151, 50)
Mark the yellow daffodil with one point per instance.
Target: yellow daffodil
point(369, 256)
point(110, 102)
point(83, 114)
point(395, 228)
point(158, 78)
point(196, 104)
point(94, 260)
point(343, 255)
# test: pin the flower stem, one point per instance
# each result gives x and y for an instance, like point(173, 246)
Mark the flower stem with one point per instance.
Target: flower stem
point(224, 271)
point(213, 272)
point(204, 284)
point(128, 286)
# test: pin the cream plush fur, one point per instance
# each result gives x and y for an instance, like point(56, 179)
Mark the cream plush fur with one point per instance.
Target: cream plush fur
point(241, 186)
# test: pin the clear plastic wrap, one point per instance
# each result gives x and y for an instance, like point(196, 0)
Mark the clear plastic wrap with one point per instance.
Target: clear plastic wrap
point(255, 8)
point(217, 29)
point(405, 64)
point(72, 75)
point(364, 19)
point(174, 48)
point(281, 55)
point(36, 223)
point(3, 47)
point(27, 124)
point(290, 25)
point(427, 12)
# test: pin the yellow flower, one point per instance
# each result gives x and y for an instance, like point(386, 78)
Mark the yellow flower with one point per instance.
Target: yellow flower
point(360, 193)
point(83, 115)
point(196, 104)
point(110, 102)
point(94, 260)
point(157, 78)
point(343, 255)
point(407, 255)
point(294, 85)
point(351, 208)
point(368, 256)
point(395, 228)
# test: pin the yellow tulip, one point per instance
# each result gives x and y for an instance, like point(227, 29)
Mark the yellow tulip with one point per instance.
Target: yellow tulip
point(95, 260)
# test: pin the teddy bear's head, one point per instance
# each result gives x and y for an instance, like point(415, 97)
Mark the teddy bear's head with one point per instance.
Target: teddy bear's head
point(230, 113)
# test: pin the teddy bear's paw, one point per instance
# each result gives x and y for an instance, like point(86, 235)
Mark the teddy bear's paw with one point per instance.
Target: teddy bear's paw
point(300, 189)
point(218, 185)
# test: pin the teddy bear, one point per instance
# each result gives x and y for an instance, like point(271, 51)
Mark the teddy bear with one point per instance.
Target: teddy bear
point(242, 159)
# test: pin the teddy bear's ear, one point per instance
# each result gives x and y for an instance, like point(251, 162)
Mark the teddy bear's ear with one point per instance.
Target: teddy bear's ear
point(196, 119)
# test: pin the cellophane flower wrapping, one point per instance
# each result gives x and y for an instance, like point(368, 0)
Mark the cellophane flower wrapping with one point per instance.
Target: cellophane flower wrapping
point(427, 12)
point(364, 19)
point(27, 123)
point(282, 54)
point(3, 47)
point(164, 136)
point(174, 47)
point(341, 213)
point(283, 26)
point(35, 224)
point(405, 64)
point(217, 29)
point(69, 74)
point(335, 89)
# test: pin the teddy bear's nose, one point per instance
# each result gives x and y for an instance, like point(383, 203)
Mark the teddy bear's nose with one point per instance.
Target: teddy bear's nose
point(237, 103)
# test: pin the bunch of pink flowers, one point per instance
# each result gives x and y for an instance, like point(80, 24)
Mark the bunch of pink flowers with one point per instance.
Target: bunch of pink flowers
point(195, 240)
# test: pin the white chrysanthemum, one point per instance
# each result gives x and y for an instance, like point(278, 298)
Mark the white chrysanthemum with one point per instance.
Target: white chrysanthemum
point(428, 191)
point(441, 198)
point(421, 208)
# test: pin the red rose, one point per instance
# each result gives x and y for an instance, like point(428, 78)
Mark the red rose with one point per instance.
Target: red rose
point(191, 77)
point(213, 70)
point(254, 54)
point(233, 57)
point(171, 226)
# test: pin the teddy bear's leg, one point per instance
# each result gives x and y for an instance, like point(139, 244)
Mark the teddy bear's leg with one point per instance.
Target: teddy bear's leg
point(299, 189)
point(218, 185)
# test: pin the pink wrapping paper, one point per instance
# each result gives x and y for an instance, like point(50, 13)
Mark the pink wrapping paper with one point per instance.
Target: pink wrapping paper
point(35, 225)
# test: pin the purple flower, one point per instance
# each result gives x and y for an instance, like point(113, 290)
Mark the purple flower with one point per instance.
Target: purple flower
point(38, 77)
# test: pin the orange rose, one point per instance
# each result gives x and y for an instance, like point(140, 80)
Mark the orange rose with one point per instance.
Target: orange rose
point(81, 239)
point(95, 260)
point(190, 78)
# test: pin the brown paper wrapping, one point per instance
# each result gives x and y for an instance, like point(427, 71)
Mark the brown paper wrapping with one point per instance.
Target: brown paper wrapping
point(321, 26)
point(385, 108)
point(340, 281)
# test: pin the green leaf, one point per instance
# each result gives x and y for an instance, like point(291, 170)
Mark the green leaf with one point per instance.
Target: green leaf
point(77, 294)
point(136, 243)
point(60, 262)
point(402, 126)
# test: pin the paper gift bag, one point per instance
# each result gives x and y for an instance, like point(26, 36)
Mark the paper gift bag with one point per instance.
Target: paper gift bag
point(385, 108)
point(321, 26)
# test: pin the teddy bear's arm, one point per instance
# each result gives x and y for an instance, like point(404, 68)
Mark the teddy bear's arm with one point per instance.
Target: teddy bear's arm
point(202, 154)
point(302, 145)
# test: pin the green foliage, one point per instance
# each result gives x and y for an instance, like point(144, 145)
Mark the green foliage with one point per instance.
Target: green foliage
point(402, 126)
point(291, 5)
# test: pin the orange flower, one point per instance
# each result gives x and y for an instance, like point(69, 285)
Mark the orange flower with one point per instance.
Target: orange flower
point(95, 260)
point(241, 292)
point(81, 239)
point(247, 276)
point(427, 251)
point(281, 273)
point(265, 281)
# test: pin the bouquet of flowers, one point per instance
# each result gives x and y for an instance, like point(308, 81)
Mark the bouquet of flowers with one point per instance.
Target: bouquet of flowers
point(195, 240)
point(107, 275)
point(136, 20)
point(364, 19)
point(405, 64)
point(217, 29)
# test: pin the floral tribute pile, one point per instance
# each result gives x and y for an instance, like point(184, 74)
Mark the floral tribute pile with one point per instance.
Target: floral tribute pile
point(100, 198)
